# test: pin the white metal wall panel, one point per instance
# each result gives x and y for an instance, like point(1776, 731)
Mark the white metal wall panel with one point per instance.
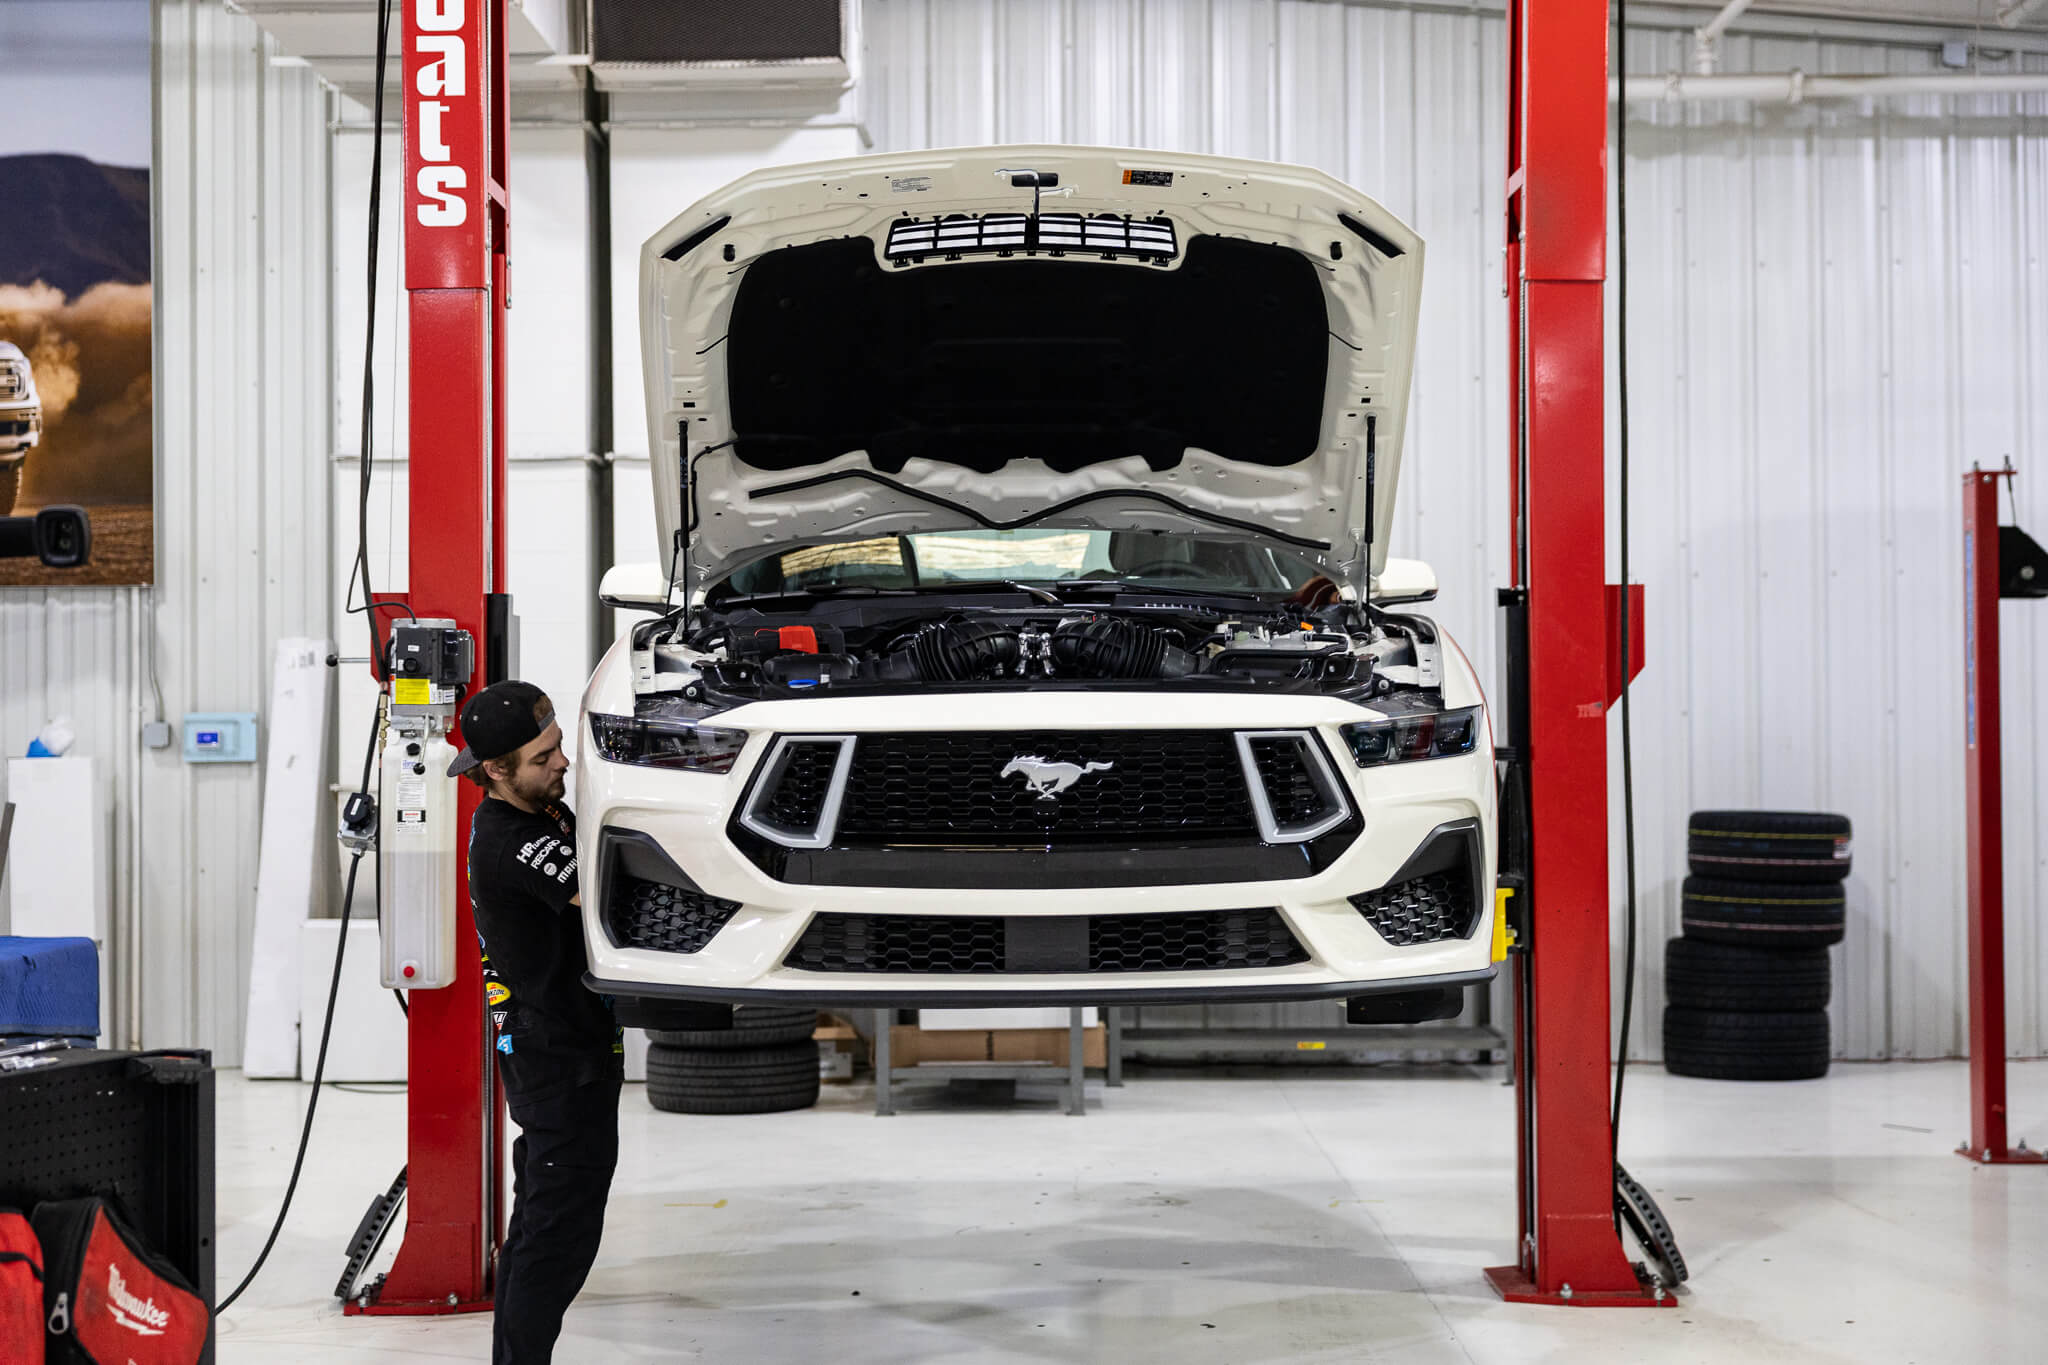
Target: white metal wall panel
point(242, 550)
point(1835, 310)
point(241, 545)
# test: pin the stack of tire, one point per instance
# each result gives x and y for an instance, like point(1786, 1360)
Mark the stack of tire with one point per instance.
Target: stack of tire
point(1747, 985)
point(764, 1063)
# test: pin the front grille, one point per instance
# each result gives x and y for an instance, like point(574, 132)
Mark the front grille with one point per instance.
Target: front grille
point(933, 945)
point(1426, 909)
point(900, 943)
point(797, 798)
point(1285, 770)
point(1153, 786)
point(668, 919)
point(1200, 941)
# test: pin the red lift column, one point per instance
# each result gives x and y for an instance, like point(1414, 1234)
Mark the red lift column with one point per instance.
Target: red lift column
point(1569, 1250)
point(1986, 852)
point(454, 92)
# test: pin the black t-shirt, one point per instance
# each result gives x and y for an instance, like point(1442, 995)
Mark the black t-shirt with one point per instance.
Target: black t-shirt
point(552, 1032)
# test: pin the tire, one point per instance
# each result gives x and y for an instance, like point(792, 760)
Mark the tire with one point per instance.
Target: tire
point(10, 487)
point(1700, 974)
point(753, 1027)
point(1762, 914)
point(1722, 1046)
point(1768, 845)
point(756, 1081)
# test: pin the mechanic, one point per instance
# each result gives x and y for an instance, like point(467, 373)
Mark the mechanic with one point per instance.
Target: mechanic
point(559, 1049)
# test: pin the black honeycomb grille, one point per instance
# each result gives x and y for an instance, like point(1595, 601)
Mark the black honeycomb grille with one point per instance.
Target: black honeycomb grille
point(1154, 785)
point(668, 919)
point(1427, 909)
point(1285, 770)
point(1199, 941)
point(797, 797)
point(900, 943)
point(1193, 941)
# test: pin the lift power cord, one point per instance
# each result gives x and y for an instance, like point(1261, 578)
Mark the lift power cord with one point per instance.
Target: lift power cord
point(359, 815)
point(348, 897)
point(1634, 1209)
point(1628, 782)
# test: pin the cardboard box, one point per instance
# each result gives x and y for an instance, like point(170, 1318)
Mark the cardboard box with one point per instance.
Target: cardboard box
point(1049, 1045)
point(912, 1046)
point(839, 1048)
point(1051, 1016)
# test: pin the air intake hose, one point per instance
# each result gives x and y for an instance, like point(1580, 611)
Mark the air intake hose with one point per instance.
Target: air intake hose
point(1105, 647)
point(953, 651)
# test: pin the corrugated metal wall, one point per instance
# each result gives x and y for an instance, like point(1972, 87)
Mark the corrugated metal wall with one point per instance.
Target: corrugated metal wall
point(242, 344)
point(1836, 310)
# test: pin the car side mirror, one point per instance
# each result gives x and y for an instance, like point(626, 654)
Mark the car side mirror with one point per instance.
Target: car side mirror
point(1404, 580)
point(635, 587)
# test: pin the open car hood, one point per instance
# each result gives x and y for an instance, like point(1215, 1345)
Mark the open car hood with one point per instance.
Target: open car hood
point(900, 343)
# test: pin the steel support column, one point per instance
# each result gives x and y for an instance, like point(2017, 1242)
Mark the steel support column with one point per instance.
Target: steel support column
point(1986, 849)
point(1569, 1250)
point(455, 132)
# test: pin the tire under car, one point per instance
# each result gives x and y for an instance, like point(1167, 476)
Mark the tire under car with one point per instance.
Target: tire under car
point(753, 1026)
point(753, 1080)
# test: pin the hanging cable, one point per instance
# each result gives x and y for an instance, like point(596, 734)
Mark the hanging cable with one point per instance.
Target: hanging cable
point(348, 896)
point(361, 568)
point(370, 605)
point(1628, 783)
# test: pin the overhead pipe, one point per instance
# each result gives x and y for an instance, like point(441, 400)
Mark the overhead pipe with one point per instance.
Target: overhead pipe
point(1706, 38)
point(1797, 87)
point(2013, 15)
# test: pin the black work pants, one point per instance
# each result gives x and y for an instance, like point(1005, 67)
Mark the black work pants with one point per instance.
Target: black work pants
point(562, 1164)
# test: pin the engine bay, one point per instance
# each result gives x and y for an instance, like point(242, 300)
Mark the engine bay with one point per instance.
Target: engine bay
point(804, 645)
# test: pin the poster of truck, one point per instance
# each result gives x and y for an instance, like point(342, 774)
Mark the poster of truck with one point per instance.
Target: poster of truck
point(76, 374)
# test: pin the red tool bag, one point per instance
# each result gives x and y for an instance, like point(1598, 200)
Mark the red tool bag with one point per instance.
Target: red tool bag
point(108, 1299)
point(21, 1291)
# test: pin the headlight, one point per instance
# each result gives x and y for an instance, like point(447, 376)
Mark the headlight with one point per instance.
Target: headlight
point(1434, 734)
point(661, 744)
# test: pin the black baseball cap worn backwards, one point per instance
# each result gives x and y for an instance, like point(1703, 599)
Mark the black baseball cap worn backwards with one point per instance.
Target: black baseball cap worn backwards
point(501, 719)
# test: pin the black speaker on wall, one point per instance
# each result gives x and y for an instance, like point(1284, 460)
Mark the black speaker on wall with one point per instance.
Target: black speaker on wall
point(717, 30)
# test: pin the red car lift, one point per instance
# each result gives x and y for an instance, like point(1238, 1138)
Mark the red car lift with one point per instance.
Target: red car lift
point(1570, 1248)
point(454, 88)
point(455, 131)
point(1998, 561)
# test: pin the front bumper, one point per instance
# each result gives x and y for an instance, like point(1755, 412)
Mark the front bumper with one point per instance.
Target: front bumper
point(686, 819)
point(20, 430)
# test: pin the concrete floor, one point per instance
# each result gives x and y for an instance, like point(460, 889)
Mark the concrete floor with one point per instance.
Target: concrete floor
point(1196, 1217)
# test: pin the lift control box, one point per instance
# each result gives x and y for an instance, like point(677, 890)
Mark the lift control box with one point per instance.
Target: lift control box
point(431, 664)
point(416, 888)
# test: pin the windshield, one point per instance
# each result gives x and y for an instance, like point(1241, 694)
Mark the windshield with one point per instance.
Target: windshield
point(936, 559)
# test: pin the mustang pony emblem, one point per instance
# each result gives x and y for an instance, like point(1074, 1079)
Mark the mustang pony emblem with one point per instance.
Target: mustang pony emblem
point(1048, 780)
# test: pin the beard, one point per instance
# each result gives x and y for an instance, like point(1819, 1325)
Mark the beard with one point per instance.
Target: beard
point(539, 789)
